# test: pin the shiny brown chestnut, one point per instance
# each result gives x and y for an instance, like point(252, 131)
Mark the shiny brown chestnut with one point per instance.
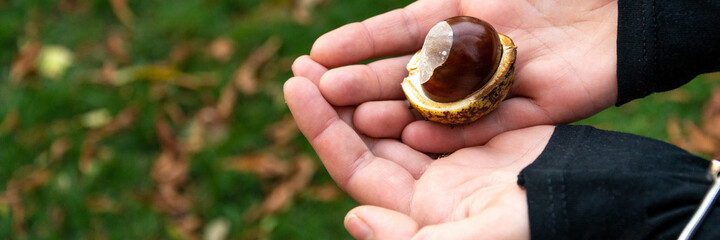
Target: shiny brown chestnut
point(463, 71)
point(471, 59)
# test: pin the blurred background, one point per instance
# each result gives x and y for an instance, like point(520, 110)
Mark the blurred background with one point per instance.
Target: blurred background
point(165, 119)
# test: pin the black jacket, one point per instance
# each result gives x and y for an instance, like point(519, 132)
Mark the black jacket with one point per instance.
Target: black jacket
point(595, 184)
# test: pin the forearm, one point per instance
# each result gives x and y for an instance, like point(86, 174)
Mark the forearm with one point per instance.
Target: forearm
point(663, 44)
point(594, 184)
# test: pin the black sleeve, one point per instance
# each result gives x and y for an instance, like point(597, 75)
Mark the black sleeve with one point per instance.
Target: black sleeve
point(596, 184)
point(663, 44)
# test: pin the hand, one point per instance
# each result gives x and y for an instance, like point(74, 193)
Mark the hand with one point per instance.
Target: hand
point(469, 194)
point(565, 69)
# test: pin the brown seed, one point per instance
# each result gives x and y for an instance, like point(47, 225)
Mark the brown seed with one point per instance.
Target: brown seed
point(471, 60)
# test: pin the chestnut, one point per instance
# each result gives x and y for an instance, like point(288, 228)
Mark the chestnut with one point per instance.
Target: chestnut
point(469, 61)
point(462, 72)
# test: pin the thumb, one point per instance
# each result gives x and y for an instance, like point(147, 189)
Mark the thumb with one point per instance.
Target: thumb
point(371, 222)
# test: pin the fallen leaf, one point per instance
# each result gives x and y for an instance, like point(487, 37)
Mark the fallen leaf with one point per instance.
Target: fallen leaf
point(115, 44)
point(102, 204)
point(59, 147)
point(73, 6)
point(163, 74)
point(325, 193)
point(188, 225)
point(222, 49)
point(10, 122)
point(227, 99)
point(155, 73)
point(711, 115)
point(180, 53)
point(175, 113)
point(700, 140)
point(123, 13)
point(14, 199)
point(675, 134)
point(173, 195)
point(265, 165)
point(27, 179)
point(679, 95)
point(302, 11)
point(109, 74)
point(57, 216)
point(89, 149)
point(282, 132)
point(24, 62)
point(246, 75)
point(282, 194)
point(207, 128)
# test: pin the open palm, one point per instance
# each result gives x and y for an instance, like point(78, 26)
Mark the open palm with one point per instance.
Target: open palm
point(565, 71)
point(468, 194)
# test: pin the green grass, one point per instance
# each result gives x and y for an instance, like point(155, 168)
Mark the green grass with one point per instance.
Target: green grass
point(113, 197)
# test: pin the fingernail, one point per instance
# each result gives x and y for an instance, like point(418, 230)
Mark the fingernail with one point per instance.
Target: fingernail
point(358, 228)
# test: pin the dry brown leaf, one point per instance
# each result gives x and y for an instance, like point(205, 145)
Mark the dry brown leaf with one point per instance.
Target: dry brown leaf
point(170, 174)
point(180, 53)
point(265, 165)
point(59, 147)
point(188, 226)
point(108, 73)
point(175, 113)
point(699, 140)
point(102, 204)
point(166, 136)
point(14, 199)
point(29, 179)
point(282, 195)
point(10, 122)
point(325, 193)
point(246, 79)
point(302, 11)
point(675, 134)
point(282, 132)
point(678, 95)
point(123, 12)
point(226, 101)
point(711, 115)
point(115, 44)
point(207, 128)
point(24, 62)
point(73, 6)
point(57, 216)
point(124, 119)
point(222, 49)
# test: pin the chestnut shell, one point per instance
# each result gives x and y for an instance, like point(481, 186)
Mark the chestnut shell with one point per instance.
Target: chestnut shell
point(470, 108)
point(473, 57)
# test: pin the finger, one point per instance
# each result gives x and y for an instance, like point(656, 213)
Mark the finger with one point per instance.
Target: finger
point(343, 152)
point(354, 84)
point(511, 114)
point(505, 218)
point(397, 32)
point(304, 66)
point(411, 160)
point(383, 119)
point(370, 222)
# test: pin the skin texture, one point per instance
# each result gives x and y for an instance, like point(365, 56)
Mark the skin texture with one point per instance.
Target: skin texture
point(374, 146)
point(565, 69)
point(469, 194)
